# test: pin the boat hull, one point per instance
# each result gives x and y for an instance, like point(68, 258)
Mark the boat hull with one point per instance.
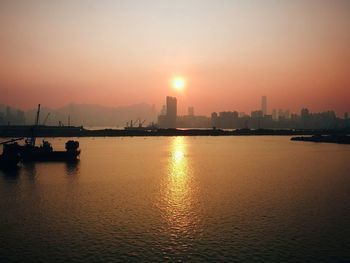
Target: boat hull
point(10, 156)
point(8, 163)
point(54, 156)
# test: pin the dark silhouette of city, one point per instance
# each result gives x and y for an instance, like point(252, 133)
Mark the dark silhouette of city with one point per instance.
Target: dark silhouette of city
point(169, 118)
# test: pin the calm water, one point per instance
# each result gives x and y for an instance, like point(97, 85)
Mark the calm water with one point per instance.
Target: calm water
point(195, 199)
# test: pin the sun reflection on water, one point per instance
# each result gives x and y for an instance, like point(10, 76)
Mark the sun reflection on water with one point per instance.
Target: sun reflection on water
point(178, 190)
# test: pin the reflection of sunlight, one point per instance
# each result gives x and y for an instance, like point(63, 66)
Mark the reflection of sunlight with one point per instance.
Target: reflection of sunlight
point(178, 162)
point(178, 188)
point(178, 156)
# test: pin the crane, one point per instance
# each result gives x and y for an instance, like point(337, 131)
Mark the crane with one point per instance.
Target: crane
point(45, 120)
point(141, 123)
point(31, 140)
point(132, 122)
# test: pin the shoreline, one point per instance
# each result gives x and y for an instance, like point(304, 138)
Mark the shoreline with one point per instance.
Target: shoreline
point(73, 131)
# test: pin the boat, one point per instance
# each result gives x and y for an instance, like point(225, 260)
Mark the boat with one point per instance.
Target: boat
point(10, 156)
point(335, 138)
point(45, 152)
point(140, 127)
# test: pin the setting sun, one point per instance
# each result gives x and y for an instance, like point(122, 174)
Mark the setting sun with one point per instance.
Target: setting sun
point(179, 83)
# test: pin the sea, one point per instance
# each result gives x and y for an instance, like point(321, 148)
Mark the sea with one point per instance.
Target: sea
point(180, 199)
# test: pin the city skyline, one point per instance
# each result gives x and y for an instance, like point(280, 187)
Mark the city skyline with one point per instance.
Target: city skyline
point(143, 118)
point(166, 117)
point(116, 53)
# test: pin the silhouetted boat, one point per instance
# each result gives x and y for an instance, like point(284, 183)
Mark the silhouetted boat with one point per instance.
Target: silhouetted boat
point(341, 139)
point(140, 127)
point(45, 153)
point(10, 156)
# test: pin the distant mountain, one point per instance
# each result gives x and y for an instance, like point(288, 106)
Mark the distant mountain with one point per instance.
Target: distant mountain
point(89, 115)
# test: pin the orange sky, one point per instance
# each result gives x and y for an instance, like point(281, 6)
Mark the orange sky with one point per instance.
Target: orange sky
point(125, 52)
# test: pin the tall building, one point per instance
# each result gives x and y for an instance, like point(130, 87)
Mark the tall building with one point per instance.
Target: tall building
point(168, 120)
point(257, 114)
point(281, 114)
point(163, 111)
point(214, 120)
point(274, 115)
point(264, 105)
point(171, 111)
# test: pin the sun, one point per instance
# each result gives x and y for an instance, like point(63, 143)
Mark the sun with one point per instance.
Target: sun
point(179, 83)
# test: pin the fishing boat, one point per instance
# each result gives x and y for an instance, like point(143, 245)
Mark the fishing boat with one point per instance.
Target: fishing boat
point(10, 156)
point(45, 152)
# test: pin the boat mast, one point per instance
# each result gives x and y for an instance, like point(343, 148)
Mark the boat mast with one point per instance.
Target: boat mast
point(37, 116)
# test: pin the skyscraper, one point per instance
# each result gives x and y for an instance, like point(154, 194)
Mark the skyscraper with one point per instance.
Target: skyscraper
point(274, 115)
point(171, 110)
point(169, 119)
point(264, 105)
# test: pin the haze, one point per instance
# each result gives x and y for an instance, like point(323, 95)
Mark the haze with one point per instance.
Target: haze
point(116, 53)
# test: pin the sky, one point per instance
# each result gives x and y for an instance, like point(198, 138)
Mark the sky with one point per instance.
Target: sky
point(123, 52)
